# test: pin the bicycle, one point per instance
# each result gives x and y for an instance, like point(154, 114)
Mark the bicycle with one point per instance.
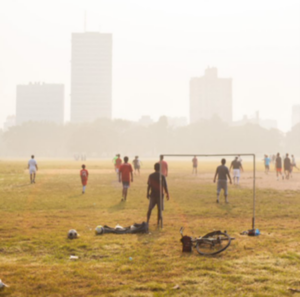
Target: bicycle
point(209, 244)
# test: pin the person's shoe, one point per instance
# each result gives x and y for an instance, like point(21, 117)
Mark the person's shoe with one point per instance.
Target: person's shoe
point(122, 199)
point(217, 201)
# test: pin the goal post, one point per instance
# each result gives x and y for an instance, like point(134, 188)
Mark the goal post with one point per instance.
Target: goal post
point(207, 155)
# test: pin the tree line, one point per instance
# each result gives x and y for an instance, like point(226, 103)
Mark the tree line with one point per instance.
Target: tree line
point(104, 138)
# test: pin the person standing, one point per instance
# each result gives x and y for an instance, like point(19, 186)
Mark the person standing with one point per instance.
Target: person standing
point(118, 164)
point(155, 189)
point(84, 174)
point(237, 167)
point(33, 167)
point(125, 175)
point(278, 164)
point(195, 165)
point(136, 165)
point(267, 161)
point(287, 166)
point(222, 173)
point(164, 166)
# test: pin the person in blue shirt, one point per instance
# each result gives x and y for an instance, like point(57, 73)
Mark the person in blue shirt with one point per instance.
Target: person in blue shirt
point(267, 164)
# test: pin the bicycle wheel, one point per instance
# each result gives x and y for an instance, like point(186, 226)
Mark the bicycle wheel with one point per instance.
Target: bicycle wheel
point(213, 243)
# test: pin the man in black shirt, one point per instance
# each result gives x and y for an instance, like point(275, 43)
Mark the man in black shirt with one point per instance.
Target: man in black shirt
point(222, 172)
point(237, 166)
point(287, 166)
point(154, 196)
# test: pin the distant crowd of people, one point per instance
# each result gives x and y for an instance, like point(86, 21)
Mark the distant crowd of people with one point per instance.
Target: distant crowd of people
point(285, 171)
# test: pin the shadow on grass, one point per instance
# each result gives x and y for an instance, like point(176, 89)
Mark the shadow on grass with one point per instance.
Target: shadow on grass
point(119, 206)
point(22, 185)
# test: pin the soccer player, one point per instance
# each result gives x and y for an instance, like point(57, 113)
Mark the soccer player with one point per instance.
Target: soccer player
point(222, 172)
point(84, 174)
point(278, 164)
point(118, 164)
point(287, 166)
point(164, 166)
point(153, 193)
point(237, 167)
point(195, 165)
point(33, 167)
point(136, 165)
point(125, 172)
point(267, 161)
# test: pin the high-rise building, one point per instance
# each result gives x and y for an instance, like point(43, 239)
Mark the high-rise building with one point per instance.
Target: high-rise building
point(40, 102)
point(295, 115)
point(210, 96)
point(91, 76)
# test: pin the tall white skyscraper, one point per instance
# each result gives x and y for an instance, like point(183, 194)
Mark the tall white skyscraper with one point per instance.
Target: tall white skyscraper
point(91, 76)
point(295, 115)
point(209, 96)
point(40, 102)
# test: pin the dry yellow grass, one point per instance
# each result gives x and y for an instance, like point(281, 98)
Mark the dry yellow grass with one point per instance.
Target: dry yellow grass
point(35, 219)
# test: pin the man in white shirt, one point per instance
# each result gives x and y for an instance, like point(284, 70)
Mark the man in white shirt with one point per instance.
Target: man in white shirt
point(32, 166)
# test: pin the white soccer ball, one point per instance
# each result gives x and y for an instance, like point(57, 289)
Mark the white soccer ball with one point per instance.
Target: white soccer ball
point(72, 234)
point(99, 230)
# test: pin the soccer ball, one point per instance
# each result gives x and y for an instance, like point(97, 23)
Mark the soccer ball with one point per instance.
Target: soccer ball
point(72, 234)
point(99, 230)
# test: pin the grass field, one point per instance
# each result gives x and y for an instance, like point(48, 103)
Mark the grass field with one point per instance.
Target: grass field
point(35, 219)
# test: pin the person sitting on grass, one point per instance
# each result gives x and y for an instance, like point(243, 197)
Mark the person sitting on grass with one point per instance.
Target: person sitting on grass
point(125, 171)
point(84, 174)
point(154, 195)
point(222, 172)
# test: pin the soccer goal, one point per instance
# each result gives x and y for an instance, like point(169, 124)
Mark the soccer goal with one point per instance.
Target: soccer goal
point(209, 155)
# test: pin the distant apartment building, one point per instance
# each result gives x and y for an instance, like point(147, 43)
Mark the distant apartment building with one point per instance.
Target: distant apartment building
point(91, 76)
point(176, 122)
point(210, 96)
point(264, 123)
point(145, 121)
point(40, 102)
point(295, 115)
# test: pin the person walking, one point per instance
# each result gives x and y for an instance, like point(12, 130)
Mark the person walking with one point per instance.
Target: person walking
point(84, 174)
point(155, 189)
point(222, 172)
point(125, 176)
point(33, 167)
point(287, 166)
point(195, 165)
point(267, 162)
point(136, 165)
point(278, 164)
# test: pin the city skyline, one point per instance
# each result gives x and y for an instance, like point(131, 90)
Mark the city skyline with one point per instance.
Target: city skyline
point(153, 62)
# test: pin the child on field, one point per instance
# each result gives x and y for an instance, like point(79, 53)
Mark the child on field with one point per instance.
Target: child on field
point(84, 177)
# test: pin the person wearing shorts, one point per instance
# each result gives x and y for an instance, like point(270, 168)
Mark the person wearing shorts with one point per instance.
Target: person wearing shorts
point(237, 167)
point(33, 167)
point(195, 165)
point(222, 172)
point(287, 166)
point(278, 164)
point(125, 175)
point(136, 165)
point(267, 161)
point(84, 174)
point(153, 193)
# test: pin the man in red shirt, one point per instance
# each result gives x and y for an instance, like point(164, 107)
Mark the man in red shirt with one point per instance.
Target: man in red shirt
point(84, 174)
point(164, 166)
point(125, 172)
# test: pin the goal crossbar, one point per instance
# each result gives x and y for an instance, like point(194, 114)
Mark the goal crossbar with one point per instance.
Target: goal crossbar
point(208, 155)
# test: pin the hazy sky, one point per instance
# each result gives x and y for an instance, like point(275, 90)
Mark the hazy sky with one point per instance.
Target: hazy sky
point(158, 45)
